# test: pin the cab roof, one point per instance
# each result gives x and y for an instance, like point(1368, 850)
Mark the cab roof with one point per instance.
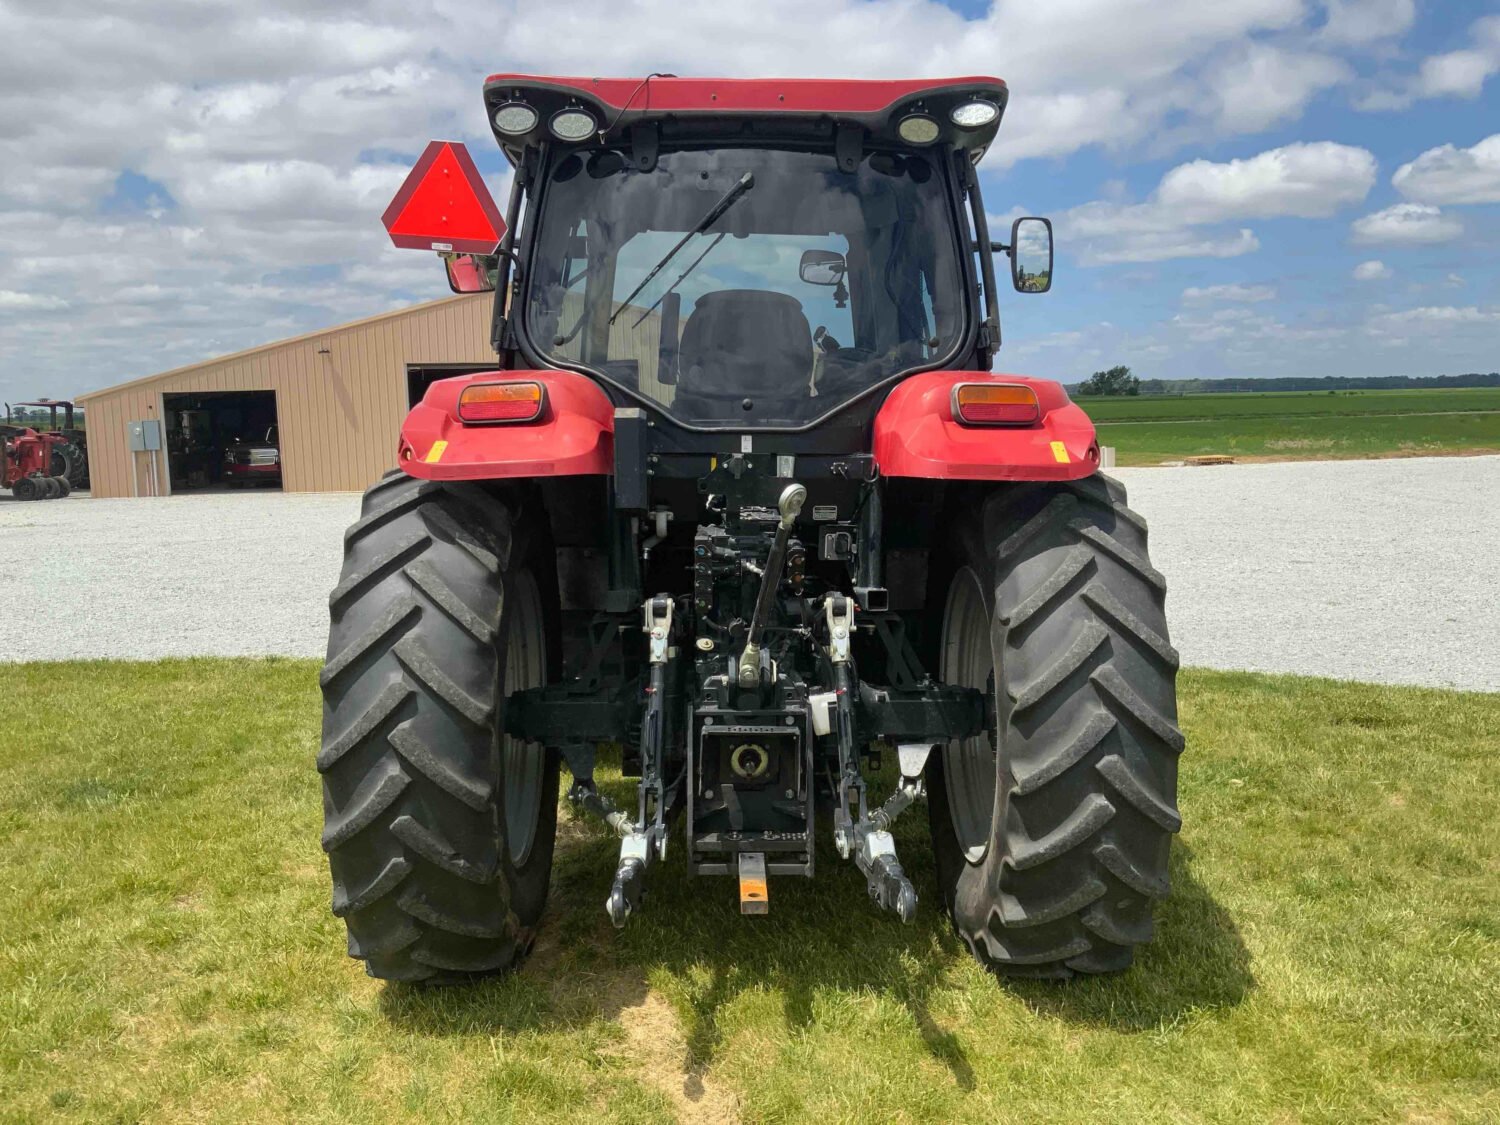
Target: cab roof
point(706, 105)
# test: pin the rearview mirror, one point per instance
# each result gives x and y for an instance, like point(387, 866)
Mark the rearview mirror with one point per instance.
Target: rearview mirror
point(822, 267)
point(1031, 255)
point(471, 273)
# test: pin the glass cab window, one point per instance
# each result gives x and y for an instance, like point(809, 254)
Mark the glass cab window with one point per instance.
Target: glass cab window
point(727, 277)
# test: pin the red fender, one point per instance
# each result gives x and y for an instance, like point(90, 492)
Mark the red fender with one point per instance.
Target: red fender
point(573, 436)
point(916, 436)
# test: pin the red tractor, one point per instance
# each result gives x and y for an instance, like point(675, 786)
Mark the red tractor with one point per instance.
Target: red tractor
point(69, 458)
point(26, 468)
point(745, 500)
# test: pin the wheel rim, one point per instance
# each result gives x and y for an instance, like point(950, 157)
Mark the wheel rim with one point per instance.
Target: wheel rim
point(524, 763)
point(969, 764)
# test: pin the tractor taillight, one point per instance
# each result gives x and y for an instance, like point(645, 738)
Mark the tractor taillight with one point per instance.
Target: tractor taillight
point(995, 404)
point(501, 402)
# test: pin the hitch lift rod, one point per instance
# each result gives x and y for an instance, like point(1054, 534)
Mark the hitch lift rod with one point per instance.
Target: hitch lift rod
point(793, 496)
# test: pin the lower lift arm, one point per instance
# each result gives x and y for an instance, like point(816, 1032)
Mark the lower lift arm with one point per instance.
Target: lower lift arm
point(867, 837)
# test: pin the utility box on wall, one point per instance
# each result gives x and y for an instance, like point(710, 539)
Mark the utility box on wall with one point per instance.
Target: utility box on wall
point(144, 436)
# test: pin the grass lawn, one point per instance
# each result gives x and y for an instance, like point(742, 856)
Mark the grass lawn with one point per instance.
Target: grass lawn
point(1331, 952)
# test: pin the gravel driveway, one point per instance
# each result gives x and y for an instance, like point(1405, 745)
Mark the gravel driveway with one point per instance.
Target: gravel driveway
point(1372, 570)
point(1361, 570)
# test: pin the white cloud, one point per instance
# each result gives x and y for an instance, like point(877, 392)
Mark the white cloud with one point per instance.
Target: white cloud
point(1454, 74)
point(1176, 244)
point(1458, 74)
point(1441, 314)
point(1360, 22)
point(1373, 270)
point(1453, 175)
point(1406, 224)
point(1250, 294)
point(1432, 324)
point(1295, 181)
point(292, 190)
point(30, 302)
point(1303, 180)
point(1266, 85)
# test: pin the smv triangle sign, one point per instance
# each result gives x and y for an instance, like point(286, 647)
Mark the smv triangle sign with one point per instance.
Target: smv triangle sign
point(444, 205)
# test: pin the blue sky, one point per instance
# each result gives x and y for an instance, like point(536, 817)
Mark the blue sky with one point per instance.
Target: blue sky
point(1248, 187)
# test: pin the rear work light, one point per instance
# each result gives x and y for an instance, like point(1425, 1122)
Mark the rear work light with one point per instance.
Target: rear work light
point(995, 404)
point(501, 402)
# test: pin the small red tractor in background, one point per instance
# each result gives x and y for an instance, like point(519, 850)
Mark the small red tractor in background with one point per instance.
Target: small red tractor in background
point(70, 458)
point(26, 468)
point(758, 557)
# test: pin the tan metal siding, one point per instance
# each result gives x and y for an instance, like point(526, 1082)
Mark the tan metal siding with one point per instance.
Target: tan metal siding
point(339, 412)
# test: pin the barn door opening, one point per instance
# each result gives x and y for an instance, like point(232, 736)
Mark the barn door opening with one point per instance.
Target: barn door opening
point(222, 440)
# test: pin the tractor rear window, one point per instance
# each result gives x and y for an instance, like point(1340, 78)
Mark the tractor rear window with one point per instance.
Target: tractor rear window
point(745, 286)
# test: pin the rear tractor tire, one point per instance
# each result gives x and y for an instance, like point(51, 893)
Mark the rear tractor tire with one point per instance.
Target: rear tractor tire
point(64, 461)
point(1052, 832)
point(439, 831)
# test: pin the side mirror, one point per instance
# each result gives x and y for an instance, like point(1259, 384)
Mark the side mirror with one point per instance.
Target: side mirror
point(471, 273)
point(822, 267)
point(1031, 255)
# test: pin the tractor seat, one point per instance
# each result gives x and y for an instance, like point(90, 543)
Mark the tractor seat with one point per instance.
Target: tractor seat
point(744, 343)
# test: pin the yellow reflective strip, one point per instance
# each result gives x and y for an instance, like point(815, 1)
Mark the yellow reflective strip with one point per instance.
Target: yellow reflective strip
point(1059, 452)
point(435, 454)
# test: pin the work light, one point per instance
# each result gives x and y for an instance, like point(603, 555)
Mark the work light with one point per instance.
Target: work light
point(515, 118)
point(572, 124)
point(974, 115)
point(918, 129)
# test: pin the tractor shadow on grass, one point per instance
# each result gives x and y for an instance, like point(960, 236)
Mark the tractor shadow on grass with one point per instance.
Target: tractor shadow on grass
point(1196, 963)
point(823, 947)
point(823, 944)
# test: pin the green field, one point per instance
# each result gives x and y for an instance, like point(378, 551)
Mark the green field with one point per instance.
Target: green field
point(1331, 952)
point(1289, 426)
point(1288, 404)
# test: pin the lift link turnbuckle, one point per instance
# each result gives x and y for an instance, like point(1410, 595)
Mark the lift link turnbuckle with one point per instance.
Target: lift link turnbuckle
point(793, 496)
point(645, 840)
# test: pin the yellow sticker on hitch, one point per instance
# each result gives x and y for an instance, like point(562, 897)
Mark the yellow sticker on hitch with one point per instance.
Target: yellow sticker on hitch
point(1059, 452)
point(435, 454)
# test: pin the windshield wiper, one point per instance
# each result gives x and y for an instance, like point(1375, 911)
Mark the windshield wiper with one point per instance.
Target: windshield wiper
point(680, 279)
point(744, 184)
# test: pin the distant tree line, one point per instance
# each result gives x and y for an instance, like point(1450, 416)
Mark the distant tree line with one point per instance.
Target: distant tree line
point(1119, 381)
point(1115, 381)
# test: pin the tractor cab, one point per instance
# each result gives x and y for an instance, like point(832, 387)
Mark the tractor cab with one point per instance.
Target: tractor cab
point(745, 269)
point(748, 254)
